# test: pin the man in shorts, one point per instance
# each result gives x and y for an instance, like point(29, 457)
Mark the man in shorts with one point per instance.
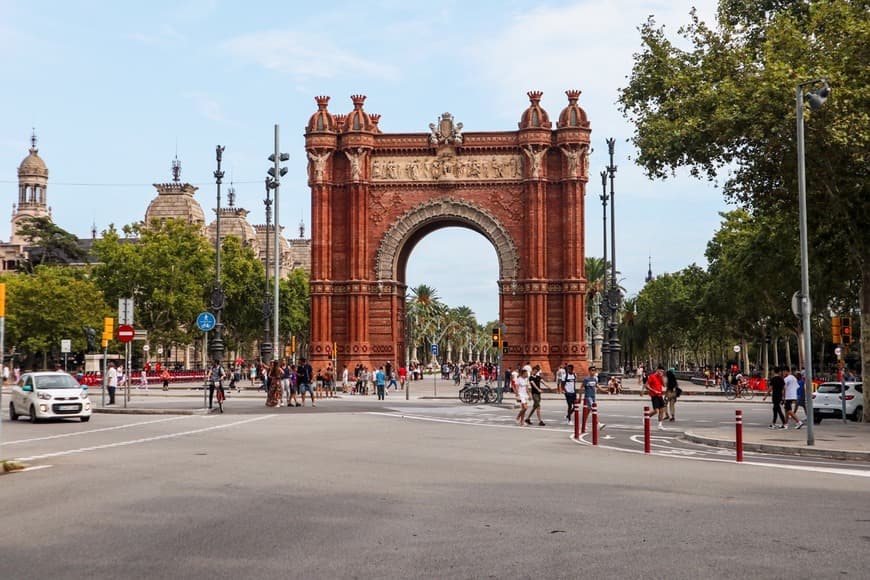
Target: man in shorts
point(791, 395)
point(570, 391)
point(305, 376)
point(590, 387)
point(655, 388)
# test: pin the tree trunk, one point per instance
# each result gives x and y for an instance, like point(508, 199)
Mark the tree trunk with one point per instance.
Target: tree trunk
point(788, 351)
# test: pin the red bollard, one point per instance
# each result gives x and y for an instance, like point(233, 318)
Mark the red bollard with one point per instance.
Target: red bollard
point(585, 412)
point(576, 422)
point(738, 424)
point(595, 423)
point(647, 448)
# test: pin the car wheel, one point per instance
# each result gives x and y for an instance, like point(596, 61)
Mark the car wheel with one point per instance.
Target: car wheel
point(85, 419)
point(33, 418)
point(858, 415)
point(817, 418)
point(13, 416)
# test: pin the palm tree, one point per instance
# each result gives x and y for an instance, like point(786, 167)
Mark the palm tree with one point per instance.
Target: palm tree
point(462, 332)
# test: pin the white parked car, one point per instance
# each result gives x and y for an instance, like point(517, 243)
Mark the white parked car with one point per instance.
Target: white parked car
point(827, 402)
point(49, 395)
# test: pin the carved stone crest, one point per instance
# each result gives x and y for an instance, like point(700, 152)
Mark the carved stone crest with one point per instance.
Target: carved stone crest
point(445, 132)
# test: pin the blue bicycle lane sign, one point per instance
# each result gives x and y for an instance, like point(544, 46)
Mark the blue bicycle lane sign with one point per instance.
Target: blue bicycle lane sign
point(205, 321)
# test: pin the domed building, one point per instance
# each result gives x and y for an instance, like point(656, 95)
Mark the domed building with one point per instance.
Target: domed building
point(175, 200)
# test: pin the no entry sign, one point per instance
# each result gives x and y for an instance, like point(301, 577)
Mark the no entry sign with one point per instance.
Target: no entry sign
point(126, 333)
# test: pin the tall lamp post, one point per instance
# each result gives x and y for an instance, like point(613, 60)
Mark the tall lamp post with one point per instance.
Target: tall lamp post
point(216, 348)
point(605, 344)
point(614, 296)
point(816, 99)
point(266, 345)
point(276, 172)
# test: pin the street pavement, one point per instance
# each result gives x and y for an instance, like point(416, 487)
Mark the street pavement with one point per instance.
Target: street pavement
point(833, 438)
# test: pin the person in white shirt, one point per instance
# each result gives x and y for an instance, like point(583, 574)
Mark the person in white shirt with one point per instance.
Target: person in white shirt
point(570, 390)
point(791, 395)
point(111, 383)
point(521, 389)
point(344, 379)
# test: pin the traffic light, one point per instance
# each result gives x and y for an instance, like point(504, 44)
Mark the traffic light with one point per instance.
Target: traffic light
point(108, 328)
point(496, 337)
point(504, 347)
point(846, 330)
point(835, 329)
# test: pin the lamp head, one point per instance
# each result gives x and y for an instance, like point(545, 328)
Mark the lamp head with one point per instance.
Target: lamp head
point(817, 98)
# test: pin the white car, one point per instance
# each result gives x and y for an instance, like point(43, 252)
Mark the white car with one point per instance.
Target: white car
point(827, 402)
point(49, 395)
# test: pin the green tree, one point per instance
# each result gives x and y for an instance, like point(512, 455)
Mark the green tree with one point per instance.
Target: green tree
point(243, 279)
point(49, 243)
point(167, 268)
point(51, 304)
point(294, 303)
point(725, 105)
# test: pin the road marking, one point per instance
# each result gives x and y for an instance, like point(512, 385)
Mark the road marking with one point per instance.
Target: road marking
point(144, 439)
point(102, 429)
point(828, 470)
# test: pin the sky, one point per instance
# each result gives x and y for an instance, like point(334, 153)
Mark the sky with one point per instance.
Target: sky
point(115, 90)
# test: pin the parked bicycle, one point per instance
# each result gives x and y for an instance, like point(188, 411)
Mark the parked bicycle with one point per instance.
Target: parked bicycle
point(473, 393)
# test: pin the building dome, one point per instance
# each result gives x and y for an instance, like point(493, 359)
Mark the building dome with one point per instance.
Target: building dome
point(535, 117)
point(358, 120)
point(321, 120)
point(33, 165)
point(234, 222)
point(174, 201)
point(572, 115)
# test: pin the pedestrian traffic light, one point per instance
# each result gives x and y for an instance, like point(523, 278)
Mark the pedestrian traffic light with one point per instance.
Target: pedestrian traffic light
point(496, 337)
point(835, 329)
point(108, 328)
point(504, 347)
point(2, 299)
point(846, 330)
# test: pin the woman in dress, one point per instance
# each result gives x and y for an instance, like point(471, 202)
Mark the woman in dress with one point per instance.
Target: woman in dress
point(522, 391)
point(274, 393)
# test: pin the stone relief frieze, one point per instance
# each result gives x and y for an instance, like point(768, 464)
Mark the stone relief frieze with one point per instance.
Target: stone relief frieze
point(447, 168)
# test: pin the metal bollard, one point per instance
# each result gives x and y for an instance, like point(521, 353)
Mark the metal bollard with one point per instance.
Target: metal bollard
point(647, 447)
point(595, 423)
point(576, 422)
point(738, 425)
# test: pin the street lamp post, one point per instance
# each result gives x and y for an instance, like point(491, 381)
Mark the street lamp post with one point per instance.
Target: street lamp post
point(817, 99)
point(266, 345)
point(614, 296)
point(605, 344)
point(217, 294)
point(276, 172)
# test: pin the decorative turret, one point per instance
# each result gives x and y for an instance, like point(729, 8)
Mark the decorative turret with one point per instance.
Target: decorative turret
point(321, 121)
point(358, 120)
point(32, 185)
point(572, 115)
point(535, 117)
point(175, 201)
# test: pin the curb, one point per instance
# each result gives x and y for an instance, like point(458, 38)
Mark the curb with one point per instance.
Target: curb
point(780, 449)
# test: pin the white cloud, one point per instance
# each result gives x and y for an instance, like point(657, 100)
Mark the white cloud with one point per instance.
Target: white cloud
point(166, 35)
point(303, 55)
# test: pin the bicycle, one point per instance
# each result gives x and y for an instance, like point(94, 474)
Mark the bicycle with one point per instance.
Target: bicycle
point(220, 396)
point(734, 391)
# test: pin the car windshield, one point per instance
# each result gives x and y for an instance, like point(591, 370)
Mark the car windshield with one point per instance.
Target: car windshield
point(62, 381)
point(829, 388)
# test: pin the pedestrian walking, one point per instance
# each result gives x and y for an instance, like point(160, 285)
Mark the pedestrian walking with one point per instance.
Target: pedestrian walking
point(570, 391)
point(655, 388)
point(672, 393)
point(380, 381)
point(304, 375)
point(215, 376)
point(560, 379)
point(165, 377)
point(791, 396)
point(273, 391)
point(590, 388)
point(776, 389)
point(521, 390)
point(111, 382)
point(535, 381)
point(143, 380)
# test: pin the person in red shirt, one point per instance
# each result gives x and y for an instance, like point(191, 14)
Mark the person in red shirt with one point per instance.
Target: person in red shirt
point(655, 386)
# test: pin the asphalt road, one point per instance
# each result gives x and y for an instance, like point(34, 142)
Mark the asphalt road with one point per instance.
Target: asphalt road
point(404, 491)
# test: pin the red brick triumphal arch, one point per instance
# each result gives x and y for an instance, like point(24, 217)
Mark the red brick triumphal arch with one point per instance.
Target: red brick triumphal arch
point(375, 195)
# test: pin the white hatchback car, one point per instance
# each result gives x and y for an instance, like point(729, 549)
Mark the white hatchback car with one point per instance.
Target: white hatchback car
point(49, 395)
point(828, 403)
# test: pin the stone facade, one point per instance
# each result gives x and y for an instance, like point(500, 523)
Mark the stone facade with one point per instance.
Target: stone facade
point(375, 195)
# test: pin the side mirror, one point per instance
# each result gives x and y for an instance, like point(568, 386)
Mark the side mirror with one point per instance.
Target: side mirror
point(27, 388)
